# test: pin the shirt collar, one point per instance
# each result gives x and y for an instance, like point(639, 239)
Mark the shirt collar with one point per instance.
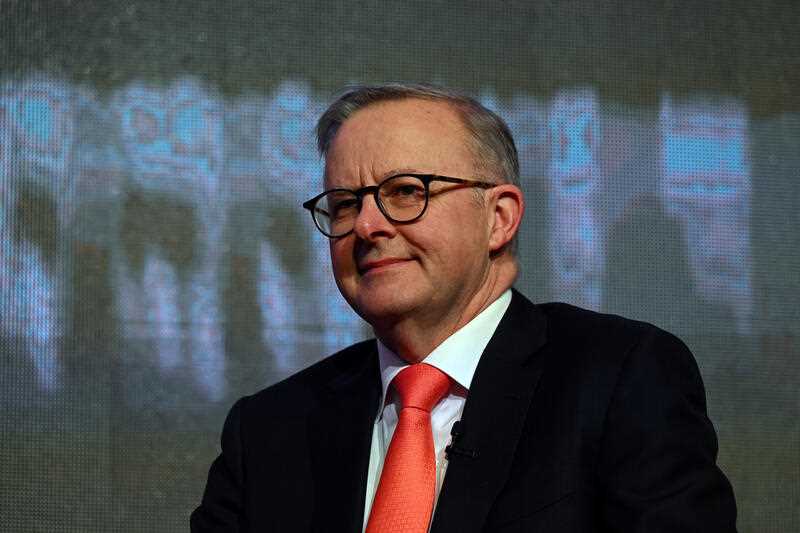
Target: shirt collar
point(458, 355)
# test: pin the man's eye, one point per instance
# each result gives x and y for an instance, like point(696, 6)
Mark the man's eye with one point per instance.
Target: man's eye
point(343, 206)
point(406, 190)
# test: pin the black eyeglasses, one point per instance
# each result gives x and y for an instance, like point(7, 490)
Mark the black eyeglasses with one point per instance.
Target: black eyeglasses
point(401, 198)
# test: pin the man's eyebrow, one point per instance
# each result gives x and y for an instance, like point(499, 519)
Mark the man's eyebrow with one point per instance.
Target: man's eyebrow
point(388, 174)
point(396, 171)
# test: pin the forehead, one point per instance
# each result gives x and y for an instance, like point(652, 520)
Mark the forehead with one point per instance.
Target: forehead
point(400, 135)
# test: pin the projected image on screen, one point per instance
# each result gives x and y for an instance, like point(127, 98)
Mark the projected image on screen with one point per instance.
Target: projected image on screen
point(172, 214)
point(577, 243)
point(37, 203)
point(204, 194)
point(705, 183)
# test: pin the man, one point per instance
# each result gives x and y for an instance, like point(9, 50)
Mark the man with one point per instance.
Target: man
point(474, 410)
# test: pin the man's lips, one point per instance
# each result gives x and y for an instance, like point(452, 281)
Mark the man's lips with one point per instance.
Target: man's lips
point(372, 265)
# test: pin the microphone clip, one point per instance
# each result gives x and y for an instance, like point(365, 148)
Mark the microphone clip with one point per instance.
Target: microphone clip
point(454, 449)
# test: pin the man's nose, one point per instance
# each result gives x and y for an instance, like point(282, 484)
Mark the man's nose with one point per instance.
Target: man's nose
point(370, 222)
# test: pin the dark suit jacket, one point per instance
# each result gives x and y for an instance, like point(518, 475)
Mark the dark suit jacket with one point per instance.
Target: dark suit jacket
point(580, 422)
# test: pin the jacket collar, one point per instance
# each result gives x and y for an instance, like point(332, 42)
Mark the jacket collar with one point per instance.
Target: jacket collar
point(493, 419)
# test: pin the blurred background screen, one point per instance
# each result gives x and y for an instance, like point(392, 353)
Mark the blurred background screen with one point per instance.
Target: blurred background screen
point(155, 263)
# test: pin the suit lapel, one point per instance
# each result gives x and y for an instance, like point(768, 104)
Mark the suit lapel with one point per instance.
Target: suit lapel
point(493, 418)
point(340, 433)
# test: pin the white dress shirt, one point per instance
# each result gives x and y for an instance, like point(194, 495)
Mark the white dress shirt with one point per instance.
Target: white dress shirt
point(457, 357)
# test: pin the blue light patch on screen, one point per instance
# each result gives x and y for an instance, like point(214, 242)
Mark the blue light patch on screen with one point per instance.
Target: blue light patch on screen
point(36, 117)
point(572, 143)
point(695, 153)
point(188, 124)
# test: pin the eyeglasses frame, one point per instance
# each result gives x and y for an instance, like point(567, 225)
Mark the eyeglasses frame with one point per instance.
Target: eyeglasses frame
point(426, 179)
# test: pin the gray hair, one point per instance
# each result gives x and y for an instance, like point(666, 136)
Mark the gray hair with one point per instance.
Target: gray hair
point(493, 144)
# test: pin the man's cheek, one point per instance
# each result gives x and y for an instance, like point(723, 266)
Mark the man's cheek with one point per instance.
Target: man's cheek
point(344, 268)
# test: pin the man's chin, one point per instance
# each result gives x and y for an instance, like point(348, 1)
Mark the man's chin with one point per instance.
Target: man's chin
point(384, 309)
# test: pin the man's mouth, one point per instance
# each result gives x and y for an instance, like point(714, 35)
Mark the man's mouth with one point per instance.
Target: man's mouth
point(380, 264)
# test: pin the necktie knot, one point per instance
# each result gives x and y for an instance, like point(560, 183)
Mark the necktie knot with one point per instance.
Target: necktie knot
point(421, 386)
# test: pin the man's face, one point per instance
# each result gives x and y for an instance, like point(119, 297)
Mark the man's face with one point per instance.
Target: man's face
point(425, 270)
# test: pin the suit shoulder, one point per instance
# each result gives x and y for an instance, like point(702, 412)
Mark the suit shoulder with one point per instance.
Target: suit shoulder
point(599, 353)
point(569, 320)
point(300, 391)
point(599, 339)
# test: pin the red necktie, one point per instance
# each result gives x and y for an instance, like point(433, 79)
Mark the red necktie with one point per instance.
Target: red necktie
point(404, 499)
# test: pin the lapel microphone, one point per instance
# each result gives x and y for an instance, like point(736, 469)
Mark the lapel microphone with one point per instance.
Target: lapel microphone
point(453, 448)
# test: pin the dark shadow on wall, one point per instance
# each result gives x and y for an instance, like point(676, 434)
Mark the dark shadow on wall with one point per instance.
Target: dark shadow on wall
point(647, 268)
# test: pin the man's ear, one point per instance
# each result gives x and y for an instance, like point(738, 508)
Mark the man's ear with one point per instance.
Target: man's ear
point(507, 207)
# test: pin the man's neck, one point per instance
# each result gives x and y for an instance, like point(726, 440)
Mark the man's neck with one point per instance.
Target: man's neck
point(414, 337)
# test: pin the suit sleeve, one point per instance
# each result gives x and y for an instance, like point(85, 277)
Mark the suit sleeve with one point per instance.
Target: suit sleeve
point(222, 504)
point(658, 455)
